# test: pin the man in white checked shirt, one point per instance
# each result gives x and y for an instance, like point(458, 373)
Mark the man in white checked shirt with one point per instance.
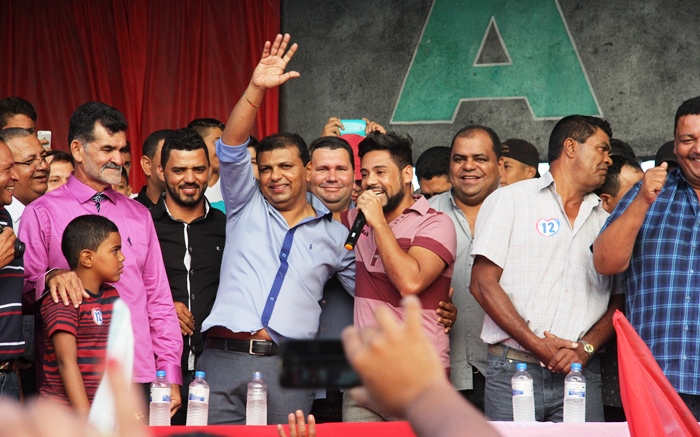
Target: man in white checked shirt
point(533, 274)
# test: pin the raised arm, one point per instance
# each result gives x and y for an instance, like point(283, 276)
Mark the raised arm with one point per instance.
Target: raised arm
point(612, 249)
point(269, 73)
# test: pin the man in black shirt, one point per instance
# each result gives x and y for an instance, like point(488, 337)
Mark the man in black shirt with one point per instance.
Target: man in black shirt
point(151, 192)
point(192, 237)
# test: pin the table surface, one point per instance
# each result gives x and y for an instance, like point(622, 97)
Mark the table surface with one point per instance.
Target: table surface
point(403, 429)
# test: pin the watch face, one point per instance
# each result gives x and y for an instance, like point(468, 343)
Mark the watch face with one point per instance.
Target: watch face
point(588, 348)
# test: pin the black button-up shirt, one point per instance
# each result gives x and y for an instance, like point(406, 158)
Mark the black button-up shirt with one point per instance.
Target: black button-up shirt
point(192, 256)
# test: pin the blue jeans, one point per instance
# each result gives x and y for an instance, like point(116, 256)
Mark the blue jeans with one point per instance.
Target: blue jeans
point(9, 384)
point(548, 389)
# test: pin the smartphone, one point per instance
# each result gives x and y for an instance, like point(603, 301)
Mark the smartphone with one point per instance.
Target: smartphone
point(45, 138)
point(316, 364)
point(353, 127)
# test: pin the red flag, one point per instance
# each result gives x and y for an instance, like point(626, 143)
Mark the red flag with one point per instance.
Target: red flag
point(652, 406)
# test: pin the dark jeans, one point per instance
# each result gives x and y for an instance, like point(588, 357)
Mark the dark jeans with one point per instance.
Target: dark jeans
point(9, 384)
point(693, 404)
point(476, 395)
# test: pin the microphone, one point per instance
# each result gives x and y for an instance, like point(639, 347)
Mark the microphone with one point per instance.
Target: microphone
point(355, 231)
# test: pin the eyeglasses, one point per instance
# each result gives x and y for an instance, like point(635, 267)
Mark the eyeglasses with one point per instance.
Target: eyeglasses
point(33, 162)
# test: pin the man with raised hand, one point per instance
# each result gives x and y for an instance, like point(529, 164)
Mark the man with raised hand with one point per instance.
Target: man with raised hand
point(282, 246)
point(653, 236)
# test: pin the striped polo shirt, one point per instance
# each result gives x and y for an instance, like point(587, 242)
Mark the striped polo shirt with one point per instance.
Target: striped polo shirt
point(419, 225)
point(89, 323)
point(11, 281)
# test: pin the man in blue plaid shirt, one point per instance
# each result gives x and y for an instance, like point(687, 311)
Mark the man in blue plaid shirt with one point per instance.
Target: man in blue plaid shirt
point(654, 235)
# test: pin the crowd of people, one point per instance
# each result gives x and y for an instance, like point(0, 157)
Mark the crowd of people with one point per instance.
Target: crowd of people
point(234, 246)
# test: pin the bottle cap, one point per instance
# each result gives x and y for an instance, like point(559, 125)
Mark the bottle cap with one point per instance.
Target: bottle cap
point(257, 375)
point(575, 366)
point(199, 374)
point(521, 366)
point(160, 374)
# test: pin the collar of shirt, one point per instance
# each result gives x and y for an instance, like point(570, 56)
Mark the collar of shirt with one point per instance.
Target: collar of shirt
point(322, 210)
point(161, 208)
point(84, 193)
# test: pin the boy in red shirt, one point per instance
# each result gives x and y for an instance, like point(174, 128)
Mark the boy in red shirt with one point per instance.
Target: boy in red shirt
point(76, 338)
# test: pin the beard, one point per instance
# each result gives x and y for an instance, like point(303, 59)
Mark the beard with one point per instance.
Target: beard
point(392, 202)
point(109, 173)
point(186, 201)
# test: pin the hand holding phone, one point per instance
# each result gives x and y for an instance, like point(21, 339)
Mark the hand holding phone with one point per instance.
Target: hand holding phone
point(44, 138)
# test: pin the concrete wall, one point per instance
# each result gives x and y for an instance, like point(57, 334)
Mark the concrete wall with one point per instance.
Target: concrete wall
point(641, 60)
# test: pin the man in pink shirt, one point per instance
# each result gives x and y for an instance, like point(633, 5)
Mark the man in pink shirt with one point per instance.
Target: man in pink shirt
point(406, 248)
point(96, 136)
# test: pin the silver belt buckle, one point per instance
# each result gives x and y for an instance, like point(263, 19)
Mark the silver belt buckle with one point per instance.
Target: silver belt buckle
point(250, 348)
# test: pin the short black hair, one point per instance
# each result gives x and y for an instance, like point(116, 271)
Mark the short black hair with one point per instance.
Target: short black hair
point(332, 143)
point(14, 132)
point(611, 185)
point(182, 139)
point(125, 175)
point(253, 142)
point(577, 127)
point(433, 162)
point(83, 120)
point(399, 147)
point(468, 131)
point(621, 148)
point(11, 106)
point(282, 140)
point(203, 125)
point(151, 143)
point(60, 156)
point(85, 232)
point(689, 107)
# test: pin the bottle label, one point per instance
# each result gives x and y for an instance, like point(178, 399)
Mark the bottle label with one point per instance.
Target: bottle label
point(160, 395)
point(199, 394)
point(522, 388)
point(575, 389)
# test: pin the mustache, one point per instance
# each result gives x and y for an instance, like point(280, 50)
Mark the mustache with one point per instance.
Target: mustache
point(112, 166)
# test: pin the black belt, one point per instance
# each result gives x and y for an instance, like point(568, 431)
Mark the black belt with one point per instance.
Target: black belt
point(8, 366)
point(253, 347)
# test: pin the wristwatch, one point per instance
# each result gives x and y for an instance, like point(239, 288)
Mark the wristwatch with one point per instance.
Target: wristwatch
point(587, 347)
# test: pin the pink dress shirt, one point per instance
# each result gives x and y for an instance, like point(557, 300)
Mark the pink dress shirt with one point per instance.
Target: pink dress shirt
point(143, 285)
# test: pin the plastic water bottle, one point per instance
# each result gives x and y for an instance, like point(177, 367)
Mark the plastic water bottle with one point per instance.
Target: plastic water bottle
point(575, 395)
point(256, 406)
point(523, 395)
point(159, 409)
point(198, 401)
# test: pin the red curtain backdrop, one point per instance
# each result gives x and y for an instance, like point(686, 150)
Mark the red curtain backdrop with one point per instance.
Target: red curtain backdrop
point(161, 62)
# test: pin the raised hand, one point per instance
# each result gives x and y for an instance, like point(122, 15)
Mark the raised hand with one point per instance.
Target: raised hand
point(653, 182)
point(270, 70)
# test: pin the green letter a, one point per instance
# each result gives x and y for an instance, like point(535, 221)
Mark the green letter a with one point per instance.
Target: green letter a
point(538, 63)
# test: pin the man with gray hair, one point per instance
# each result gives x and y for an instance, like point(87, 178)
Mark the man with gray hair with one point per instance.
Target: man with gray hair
point(96, 135)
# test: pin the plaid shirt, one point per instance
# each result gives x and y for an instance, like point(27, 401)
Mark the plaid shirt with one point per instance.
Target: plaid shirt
point(663, 285)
